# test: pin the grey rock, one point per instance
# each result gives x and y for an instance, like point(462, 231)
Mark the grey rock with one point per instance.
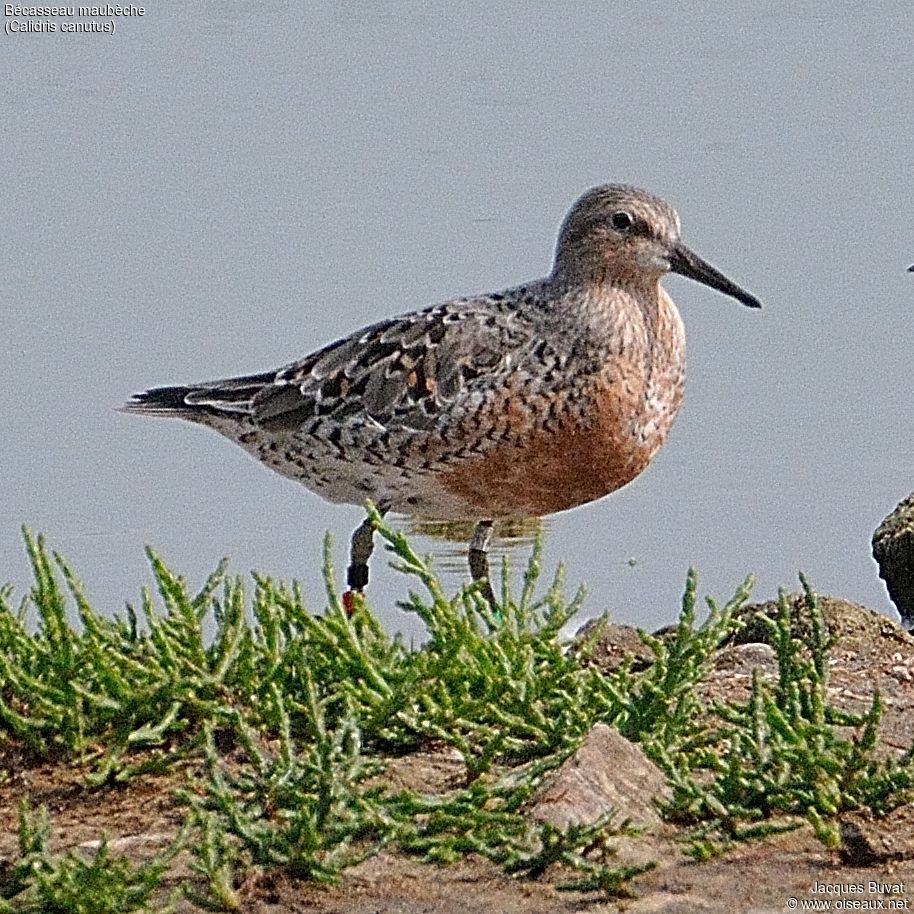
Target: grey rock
point(893, 549)
point(607, 772)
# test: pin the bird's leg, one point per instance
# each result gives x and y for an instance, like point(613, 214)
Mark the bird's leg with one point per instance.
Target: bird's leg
point(359, 553)
point(479, 558)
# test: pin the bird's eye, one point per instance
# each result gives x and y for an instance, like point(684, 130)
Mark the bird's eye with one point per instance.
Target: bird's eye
point(622, 221)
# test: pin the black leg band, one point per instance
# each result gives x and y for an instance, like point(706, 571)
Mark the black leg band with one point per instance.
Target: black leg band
point(357, 576)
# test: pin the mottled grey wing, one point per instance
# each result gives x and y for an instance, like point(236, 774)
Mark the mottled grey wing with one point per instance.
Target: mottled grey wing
point(401, 373)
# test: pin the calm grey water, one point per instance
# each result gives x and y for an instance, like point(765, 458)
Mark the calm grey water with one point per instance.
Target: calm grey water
point(219, 188)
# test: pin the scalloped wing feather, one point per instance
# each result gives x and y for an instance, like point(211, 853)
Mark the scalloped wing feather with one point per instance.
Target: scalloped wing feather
point(398, 373)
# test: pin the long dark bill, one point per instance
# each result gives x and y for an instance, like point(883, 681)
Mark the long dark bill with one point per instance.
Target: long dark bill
point(688, 263)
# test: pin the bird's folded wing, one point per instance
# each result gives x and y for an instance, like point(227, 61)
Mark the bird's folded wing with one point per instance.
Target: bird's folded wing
point(400, 373)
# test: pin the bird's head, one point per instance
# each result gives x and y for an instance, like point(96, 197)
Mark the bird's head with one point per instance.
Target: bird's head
point(619, 235)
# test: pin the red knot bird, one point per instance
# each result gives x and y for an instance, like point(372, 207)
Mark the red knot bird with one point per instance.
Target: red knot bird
point(514, 404)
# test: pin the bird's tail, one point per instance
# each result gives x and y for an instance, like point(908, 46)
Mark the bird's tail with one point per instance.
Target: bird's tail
point(233, 396)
